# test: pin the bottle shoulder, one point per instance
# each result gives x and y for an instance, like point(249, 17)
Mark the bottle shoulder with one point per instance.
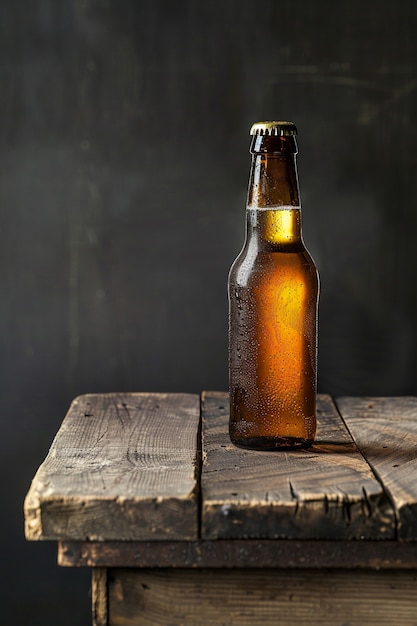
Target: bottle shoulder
point(254, 251)
point(250, 266)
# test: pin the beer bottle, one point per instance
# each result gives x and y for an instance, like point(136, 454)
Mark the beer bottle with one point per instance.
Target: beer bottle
point(273, 297)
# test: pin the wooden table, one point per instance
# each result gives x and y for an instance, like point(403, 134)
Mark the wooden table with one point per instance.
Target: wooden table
point(181, 527)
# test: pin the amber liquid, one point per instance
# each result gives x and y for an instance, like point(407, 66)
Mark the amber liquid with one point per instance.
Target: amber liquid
point(273, 292)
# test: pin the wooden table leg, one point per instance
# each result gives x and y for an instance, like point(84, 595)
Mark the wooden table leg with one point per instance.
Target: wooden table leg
point(99, 596)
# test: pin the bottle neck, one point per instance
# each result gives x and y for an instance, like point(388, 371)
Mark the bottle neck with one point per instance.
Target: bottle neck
point(274, 228)
point(273, 181)
point(273, 204)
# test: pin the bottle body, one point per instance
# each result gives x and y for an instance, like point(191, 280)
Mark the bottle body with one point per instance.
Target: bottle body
point(273, 297)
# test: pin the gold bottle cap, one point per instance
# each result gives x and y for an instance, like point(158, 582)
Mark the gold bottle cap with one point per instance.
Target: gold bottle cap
point(277, 129)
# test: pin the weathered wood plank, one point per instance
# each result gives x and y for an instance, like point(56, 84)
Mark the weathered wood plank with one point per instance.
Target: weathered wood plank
point(122, 466)
point(271, 597)
point(241, 553)
point(326, 492)
point(385, 430)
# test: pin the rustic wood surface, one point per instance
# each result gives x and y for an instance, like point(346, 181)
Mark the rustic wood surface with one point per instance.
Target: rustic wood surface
point(241, 553)
point(325, 492)
point(385, 430)
point(126, 467)
point(271, 597)
point(123, 466)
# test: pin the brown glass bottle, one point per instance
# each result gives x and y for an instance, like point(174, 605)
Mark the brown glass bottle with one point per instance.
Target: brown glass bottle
point(273, 298)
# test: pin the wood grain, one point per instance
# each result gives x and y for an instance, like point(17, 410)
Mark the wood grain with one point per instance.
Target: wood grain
point(271, 597)
point(122, 466)
point(326, 492)
point(385, 430)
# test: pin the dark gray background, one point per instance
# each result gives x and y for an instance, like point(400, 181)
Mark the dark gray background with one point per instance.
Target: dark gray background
point(124, 164)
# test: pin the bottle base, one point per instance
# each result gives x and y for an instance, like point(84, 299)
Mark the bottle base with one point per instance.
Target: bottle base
point(273, 443)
